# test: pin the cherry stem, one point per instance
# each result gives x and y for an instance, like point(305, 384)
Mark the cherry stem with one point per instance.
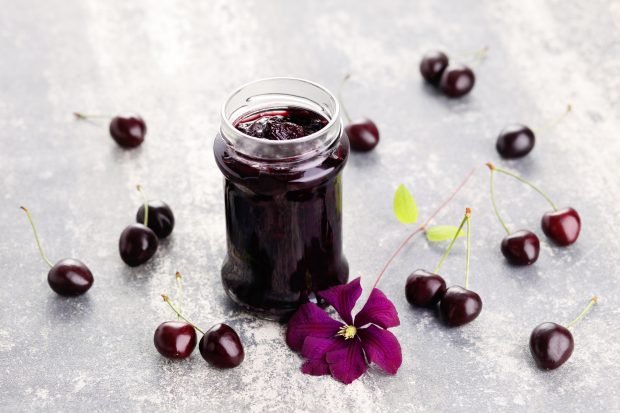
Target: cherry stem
point(344, 108)
point(552, 124)
point(36, 237)
point(585, 311)
point(492, 190)
point(86, 117)
point(179, 295)
point(456, 235)
point(423, 226)
point(528, 183)
point(146, 205)
point(169, 302)
point(467, 245)
point(479, 54)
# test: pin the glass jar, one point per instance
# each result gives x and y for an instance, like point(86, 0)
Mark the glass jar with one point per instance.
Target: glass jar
point(283, 199)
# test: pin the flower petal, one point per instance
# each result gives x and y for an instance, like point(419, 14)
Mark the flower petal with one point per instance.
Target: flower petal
point(309, 320)
point(378, 310)
point(347, 362)
point(381, 347)
point(343, 298)
point(316, 347)
point(314, 350)
point(316, 367)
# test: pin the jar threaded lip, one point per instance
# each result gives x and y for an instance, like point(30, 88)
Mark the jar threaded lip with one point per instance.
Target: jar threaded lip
point(274, 92)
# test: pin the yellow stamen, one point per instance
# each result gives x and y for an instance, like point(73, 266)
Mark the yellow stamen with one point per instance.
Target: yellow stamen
point(347, 332)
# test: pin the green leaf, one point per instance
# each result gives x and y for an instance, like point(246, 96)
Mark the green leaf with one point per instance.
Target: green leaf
point(440, 233)
point(405, 208)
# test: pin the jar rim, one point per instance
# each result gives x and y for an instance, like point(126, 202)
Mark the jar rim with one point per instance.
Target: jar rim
point(334, 118)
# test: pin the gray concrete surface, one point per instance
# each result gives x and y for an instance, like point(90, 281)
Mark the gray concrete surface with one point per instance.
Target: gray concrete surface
point(175, 62)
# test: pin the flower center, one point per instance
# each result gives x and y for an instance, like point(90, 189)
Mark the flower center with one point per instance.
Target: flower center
point(347, 332)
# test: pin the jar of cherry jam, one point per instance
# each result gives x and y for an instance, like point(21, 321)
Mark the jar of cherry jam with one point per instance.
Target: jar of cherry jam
point(281, 148)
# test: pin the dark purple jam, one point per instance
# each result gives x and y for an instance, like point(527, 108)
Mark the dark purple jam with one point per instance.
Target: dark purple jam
point(283, 219)
point(281, 124)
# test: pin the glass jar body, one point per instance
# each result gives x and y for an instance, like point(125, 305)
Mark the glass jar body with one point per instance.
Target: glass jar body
point(283, 220)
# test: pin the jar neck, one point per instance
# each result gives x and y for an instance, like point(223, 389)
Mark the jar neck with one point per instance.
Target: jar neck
point(273, 93)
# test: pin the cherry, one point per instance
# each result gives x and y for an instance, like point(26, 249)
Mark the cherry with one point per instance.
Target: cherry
point(175, 339)
point(161, 218)
point(221, 347)
point(457, 81)
point(515, 141)
point(69, 276)
point(424, 289)
point(127, 130)
point(363, 134)
point(521, 247)
point(562, 226)
point(433, 65)
point(138, 243)
point(552, 344)
point(459, 306)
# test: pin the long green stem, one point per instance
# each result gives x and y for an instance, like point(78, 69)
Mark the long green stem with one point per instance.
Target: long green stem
point(445, 254)
point(146, 206)
point(167, 300)
point(179, 295)
point(552, 124)
point(85, 117)
point(585, 311)
point(497, 214)
point(528, 183)
point(468, 245)
point(36, 237)
point(344, 108)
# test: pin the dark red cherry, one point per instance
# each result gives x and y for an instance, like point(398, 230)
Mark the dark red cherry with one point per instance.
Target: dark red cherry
point(137, 244)
point(161, 218)
point(128, 131)
point(459, 306)
point(363, 135)
point(562, 226)
point(424, 289)
point(515, 141)
point(551, 345)
point(70, 277)
point(221, 347)
point(175, 339)
point(433, 65)
point(521, 247)
point(457, 81)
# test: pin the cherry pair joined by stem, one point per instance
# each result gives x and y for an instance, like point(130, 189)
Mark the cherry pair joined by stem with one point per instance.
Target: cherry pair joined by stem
point(363, 134)
point(452, 80)
point(220, 346)
point(552, 344)
point(69, 276)
point(516, 140)
point(522, 247)
point(139, 242)
point(457, 305)
point(127, 130)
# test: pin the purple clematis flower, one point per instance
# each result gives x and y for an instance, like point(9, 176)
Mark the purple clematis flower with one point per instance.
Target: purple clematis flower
point(345, 348)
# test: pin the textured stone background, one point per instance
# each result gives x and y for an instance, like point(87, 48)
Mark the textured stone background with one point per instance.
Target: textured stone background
point(175, 62)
